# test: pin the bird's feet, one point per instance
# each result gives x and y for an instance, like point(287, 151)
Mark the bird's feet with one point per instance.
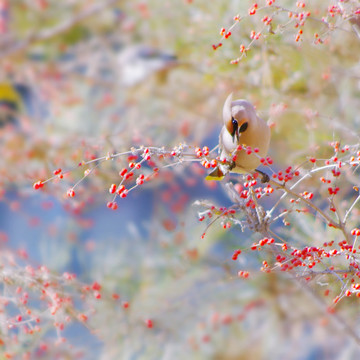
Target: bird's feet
point(264, 177)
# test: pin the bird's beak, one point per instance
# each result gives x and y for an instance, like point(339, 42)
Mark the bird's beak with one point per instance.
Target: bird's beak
point(237, 135)
point(227, 117)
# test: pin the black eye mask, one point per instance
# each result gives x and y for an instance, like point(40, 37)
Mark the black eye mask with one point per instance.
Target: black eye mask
point(236, 130)
point(243, 127)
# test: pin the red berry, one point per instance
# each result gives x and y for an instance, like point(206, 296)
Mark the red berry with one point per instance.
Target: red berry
point(71, 193)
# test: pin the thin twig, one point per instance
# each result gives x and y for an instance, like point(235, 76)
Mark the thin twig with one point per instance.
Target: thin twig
point(350, 209)
point(307, 202)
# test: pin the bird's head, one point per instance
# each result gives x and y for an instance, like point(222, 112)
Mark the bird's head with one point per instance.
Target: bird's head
point(237, 116)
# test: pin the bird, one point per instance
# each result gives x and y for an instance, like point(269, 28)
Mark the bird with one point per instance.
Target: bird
point(10, 103)
point(242, 129)
point(112, 62)
point(136, 63)
point(18, 99)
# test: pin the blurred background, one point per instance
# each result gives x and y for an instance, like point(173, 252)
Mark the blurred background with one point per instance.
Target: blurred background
point(83, 78)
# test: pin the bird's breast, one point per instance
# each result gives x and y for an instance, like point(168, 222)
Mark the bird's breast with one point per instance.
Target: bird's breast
point(227, 142)
point(252, 138)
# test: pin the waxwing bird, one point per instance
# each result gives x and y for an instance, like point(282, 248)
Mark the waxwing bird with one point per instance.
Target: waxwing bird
point(10, 104)
point(136, 63)
point(16, 99)
point(241, 127)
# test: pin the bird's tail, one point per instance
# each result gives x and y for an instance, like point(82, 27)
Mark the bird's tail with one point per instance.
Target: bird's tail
point(216, 175)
